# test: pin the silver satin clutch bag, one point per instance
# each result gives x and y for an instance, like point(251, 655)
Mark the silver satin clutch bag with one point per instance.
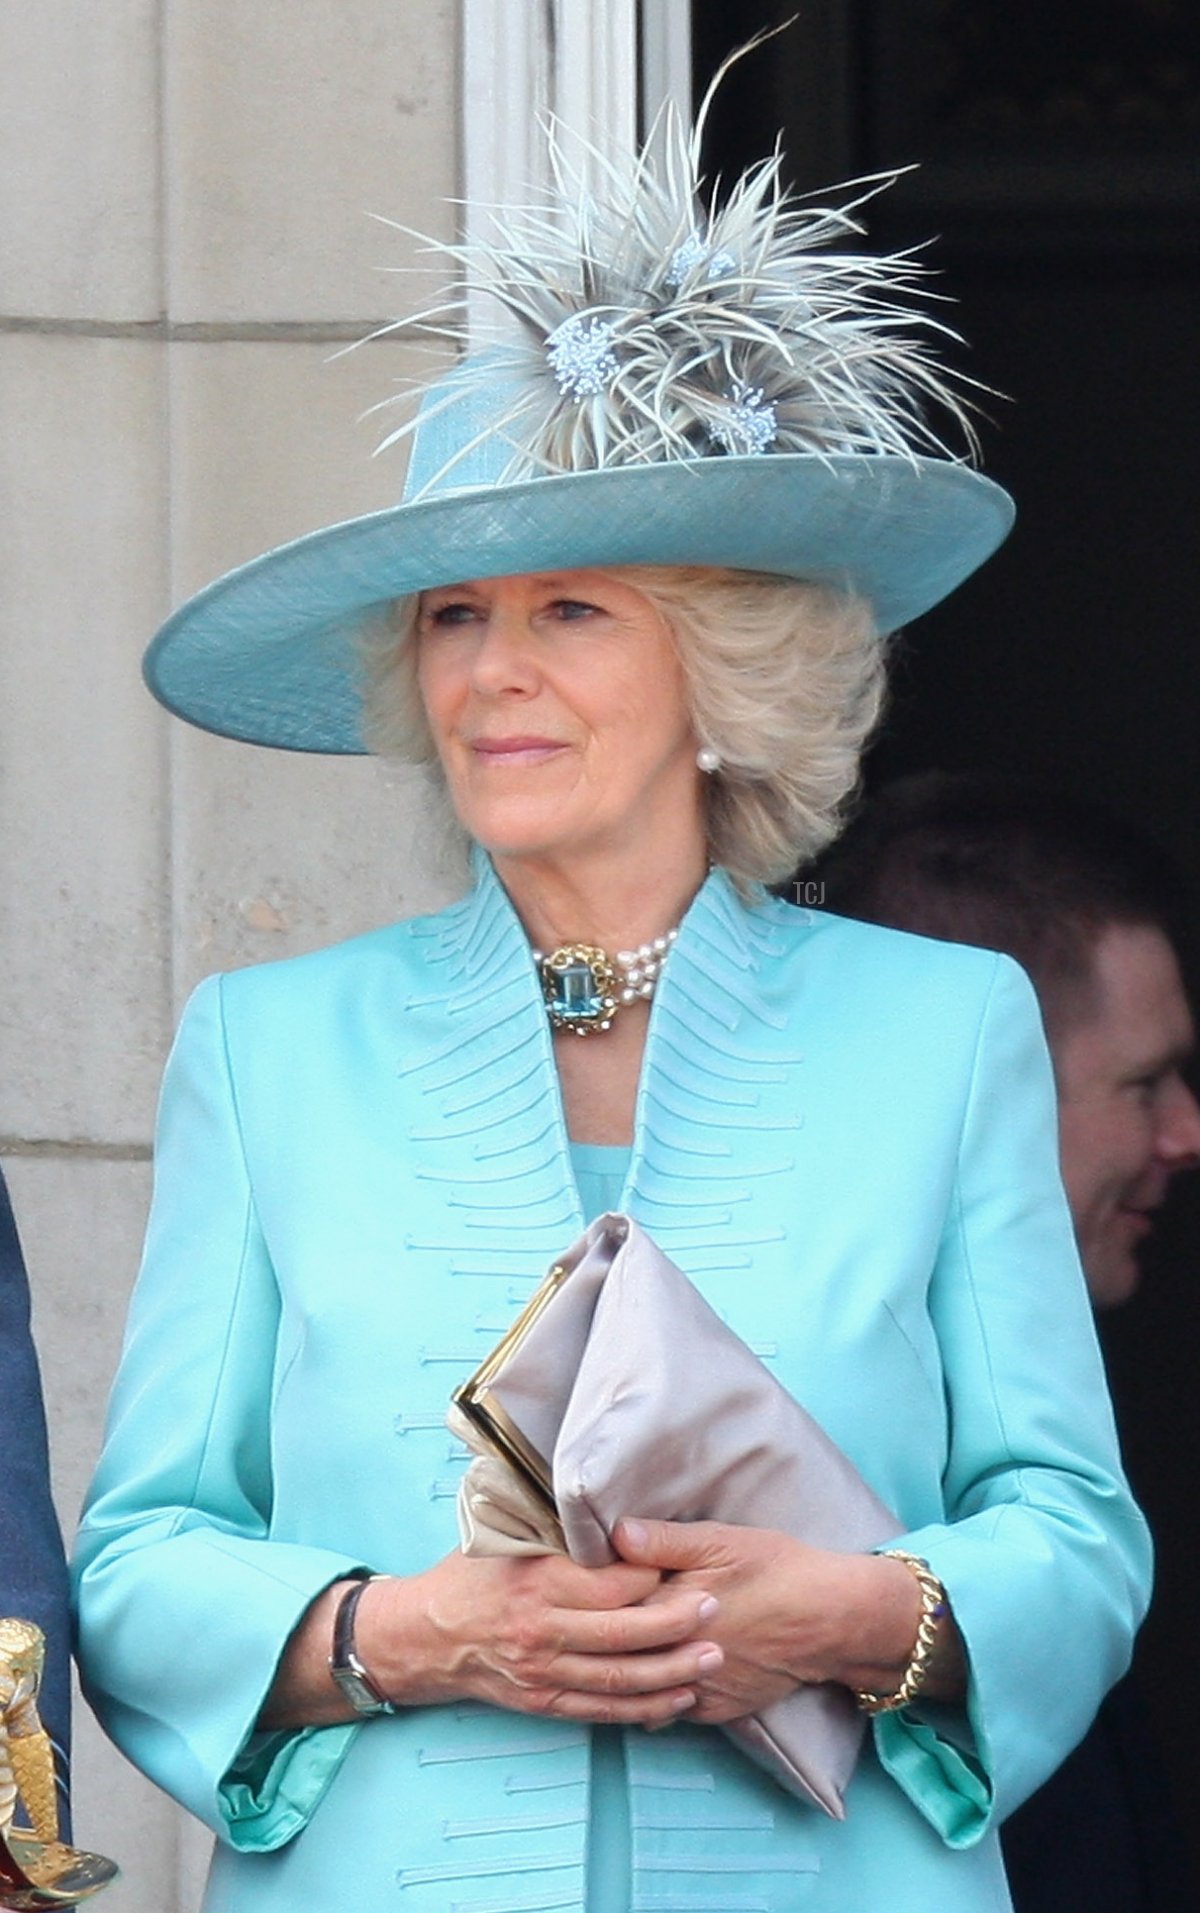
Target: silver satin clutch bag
point(619, 1391)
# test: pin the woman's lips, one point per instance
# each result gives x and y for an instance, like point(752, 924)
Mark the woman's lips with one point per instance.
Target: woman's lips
point(515, 750)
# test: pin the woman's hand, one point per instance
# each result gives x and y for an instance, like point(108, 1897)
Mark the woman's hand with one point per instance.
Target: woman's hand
point(789, 1614)
point(537, 1634)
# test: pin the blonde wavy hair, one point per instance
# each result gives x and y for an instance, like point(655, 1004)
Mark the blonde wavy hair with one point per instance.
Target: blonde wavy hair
point(785, 681)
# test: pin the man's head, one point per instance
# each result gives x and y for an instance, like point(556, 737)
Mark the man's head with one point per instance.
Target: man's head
point(1091, 911)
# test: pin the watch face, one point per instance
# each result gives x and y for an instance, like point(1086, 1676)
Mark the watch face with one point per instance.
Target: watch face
point(361, 1696)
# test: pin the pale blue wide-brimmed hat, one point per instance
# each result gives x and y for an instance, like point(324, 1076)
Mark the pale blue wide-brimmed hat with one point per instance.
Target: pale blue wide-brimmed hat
point(685, 384)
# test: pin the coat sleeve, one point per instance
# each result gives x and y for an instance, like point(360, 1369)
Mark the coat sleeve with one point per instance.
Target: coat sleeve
point(33, 1569)
point(1044, 1556)
point(185, 1601)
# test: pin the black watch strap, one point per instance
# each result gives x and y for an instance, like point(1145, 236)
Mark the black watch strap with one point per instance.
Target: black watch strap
point(344, 1664)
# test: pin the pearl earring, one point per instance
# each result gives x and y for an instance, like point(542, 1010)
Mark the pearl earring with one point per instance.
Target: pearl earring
point(707, 759)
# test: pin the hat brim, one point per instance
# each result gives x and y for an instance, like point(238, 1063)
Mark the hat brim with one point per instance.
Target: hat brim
point(268, 653)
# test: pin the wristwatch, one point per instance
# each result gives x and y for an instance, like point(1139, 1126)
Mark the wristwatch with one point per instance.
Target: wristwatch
point(347, 1670)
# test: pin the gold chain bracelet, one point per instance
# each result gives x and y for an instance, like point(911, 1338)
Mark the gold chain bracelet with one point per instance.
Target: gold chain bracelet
point(933, 1609)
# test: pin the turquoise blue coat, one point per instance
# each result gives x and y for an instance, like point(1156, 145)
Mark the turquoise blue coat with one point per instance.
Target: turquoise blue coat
point(846, 1137)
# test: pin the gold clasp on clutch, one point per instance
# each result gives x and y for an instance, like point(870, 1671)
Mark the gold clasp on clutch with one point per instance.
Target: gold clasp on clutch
point(487, 1414)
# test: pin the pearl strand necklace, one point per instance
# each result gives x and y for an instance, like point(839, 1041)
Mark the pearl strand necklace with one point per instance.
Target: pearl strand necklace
point(584, 987)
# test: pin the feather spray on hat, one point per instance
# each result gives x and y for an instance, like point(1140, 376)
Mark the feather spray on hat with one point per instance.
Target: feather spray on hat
point(655, 321)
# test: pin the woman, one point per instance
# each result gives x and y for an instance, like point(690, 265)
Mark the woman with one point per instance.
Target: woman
point(629, 612)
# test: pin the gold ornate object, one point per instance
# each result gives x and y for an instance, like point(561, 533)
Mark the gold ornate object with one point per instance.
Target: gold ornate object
point(584, 987)
point(580, 985)
point(933, 1610)
point(486, 1412)
point(36, 1868)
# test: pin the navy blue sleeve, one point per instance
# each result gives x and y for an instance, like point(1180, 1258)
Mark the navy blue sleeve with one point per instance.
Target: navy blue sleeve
point(33, 1574)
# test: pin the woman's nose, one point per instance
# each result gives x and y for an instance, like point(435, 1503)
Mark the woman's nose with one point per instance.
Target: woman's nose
point(505, 657)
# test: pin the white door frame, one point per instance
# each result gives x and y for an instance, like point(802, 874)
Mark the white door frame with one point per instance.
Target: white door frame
point(600, 67)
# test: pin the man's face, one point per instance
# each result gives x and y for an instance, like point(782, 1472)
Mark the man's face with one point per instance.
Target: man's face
point(1127, 1120)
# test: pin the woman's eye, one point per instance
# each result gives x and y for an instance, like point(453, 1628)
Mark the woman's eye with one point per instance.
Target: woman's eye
point(454, 611)
point(572, 608)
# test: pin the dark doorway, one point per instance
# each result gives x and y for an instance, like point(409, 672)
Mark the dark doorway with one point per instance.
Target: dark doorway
point(1058, 150)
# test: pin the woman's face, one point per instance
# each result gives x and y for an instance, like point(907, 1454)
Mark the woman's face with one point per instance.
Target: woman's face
point(557, 705)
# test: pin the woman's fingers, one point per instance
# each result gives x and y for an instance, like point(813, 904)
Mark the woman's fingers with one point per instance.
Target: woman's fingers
point(665, 1618)
point(611, 1675)
point(561, 1582)
point(675, 1547)
point(609, 1653)
point(541, 1636)
point(642, 1710)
